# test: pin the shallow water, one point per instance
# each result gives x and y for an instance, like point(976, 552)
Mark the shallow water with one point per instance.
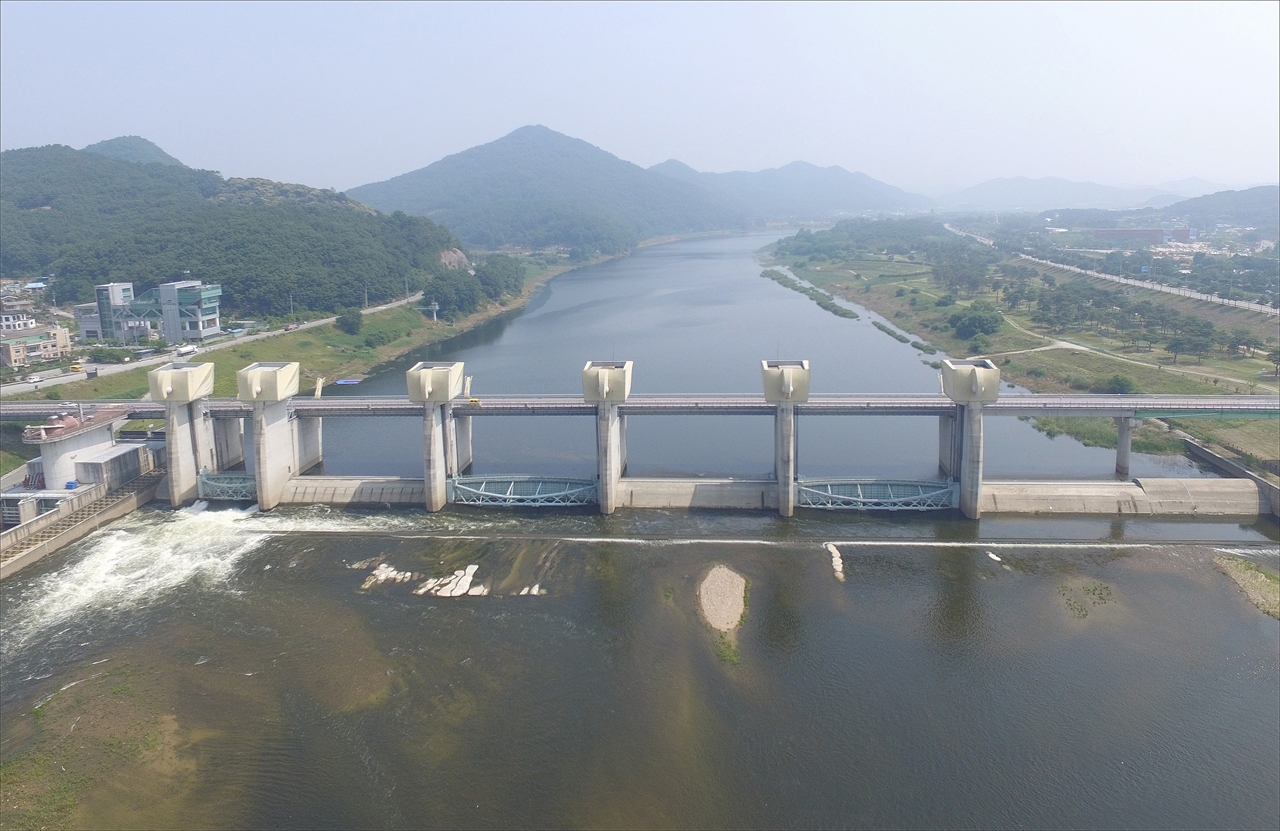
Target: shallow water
point(936, 686)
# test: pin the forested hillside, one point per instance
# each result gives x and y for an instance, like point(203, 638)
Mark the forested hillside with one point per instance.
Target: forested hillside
point(536, 187)
point(797, 191)
point(88, 218)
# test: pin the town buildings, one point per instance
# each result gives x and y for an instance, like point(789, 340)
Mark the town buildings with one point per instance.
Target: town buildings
point(25, 346)
point(184, 310)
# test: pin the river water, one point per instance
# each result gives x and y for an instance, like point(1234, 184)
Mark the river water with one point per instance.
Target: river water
point(230, 668)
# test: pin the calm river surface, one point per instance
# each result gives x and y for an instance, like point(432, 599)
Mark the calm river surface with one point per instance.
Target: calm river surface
point(227, 668)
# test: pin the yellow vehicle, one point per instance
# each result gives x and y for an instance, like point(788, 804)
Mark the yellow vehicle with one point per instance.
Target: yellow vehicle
point(77, 368)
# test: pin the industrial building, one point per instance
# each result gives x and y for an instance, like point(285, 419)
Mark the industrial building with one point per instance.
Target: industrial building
point(184, 310)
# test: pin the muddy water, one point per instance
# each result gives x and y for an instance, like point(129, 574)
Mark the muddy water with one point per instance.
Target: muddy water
point(222, 668)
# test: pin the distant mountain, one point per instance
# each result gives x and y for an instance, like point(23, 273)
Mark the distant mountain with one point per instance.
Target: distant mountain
point(1023, 194)
point(132, 149)
point(1255, 207)
point(1192, 187)
point(1259, 207)
point(90, 218)
point(536, 187)
point(797, 191)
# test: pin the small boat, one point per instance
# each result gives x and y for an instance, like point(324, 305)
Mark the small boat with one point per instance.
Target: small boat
point(346, 382)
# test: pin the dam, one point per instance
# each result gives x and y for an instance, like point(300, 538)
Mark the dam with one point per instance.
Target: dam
point(205, 440)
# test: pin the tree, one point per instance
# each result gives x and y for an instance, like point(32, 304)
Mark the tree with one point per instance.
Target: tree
point(349, 321)
point(980, 318)
point(1274, 357)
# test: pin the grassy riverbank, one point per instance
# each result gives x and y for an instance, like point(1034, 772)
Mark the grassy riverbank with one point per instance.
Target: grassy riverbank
point(905, 293)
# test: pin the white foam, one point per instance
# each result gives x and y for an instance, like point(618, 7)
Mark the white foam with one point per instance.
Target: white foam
point(132, 564)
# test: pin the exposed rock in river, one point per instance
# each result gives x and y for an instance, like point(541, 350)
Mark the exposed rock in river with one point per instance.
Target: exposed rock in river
point(722, 598)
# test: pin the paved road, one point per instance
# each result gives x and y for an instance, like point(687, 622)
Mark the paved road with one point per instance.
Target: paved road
point(1129, 281)
point(112, 369)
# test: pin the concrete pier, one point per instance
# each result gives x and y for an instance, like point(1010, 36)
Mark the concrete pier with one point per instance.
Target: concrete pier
point(971, 384)
point(971, 462)
point(434, 385)
point(1124, 442)
point(190, 444)
point(434, 460)
point(784, 458)
point(786, 384)
point(607, 384)
point(268, 387)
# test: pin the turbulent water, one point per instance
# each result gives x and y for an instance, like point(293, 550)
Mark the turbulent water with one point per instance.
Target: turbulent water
point(215, 667)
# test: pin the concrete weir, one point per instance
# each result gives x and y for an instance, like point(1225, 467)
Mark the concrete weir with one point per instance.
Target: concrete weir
point(287, 439)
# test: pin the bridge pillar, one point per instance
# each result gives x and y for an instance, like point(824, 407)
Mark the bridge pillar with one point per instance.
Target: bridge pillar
point(228, 442)
point(970, 384)
point(309, 443)
point(189, 433)
point(971, 461)
point(434, 385)
point(1124, 443)
point(269, 386)
point(462, 429)
point(608, 455)
point(784, 457)
point(786, 384)
point(607, 384)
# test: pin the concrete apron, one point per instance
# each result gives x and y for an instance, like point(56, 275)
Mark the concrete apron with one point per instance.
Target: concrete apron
point(1140, 497)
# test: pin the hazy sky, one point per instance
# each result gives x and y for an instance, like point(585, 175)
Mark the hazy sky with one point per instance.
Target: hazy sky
point(927, 97)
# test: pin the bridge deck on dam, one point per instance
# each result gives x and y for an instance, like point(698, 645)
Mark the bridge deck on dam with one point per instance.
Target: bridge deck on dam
point(1085, 405)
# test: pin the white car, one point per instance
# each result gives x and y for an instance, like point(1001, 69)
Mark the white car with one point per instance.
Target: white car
point(33, 379)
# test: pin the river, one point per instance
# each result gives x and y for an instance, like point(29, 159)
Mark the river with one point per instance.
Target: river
point(228, 668)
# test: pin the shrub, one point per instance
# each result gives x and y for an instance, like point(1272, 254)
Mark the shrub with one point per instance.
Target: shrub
point(900, 292)
point(1036, 372)
point(375, 339)
point(979, 343)
point(946, 300)
point(1116, 385)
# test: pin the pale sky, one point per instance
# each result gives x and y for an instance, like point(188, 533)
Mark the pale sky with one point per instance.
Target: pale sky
point(929, 97)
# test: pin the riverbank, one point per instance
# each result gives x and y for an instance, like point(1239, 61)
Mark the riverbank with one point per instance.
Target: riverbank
point(326, 353)
point(904, 293)
point(1260, 585)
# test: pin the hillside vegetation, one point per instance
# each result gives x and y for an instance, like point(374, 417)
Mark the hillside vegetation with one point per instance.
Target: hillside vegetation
point(90, 218)
point(536, 188)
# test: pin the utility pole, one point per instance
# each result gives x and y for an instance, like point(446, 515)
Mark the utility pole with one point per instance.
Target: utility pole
point(366, 295)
